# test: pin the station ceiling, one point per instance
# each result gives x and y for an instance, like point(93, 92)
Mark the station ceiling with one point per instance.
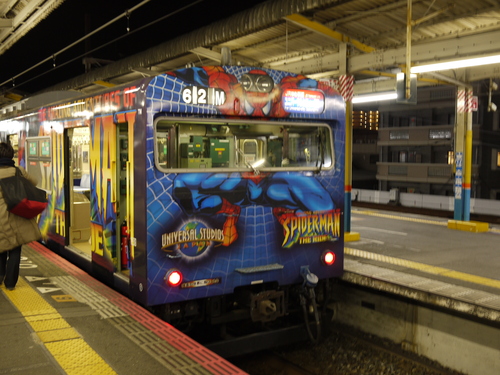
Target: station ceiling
point(18, 17)
point(369, 39)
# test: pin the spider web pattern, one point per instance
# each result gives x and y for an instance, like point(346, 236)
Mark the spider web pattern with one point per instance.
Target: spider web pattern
point(260, 235)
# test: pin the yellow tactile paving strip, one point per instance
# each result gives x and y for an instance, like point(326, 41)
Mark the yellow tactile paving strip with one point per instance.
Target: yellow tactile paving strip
point(63, 342)
point(423, 267)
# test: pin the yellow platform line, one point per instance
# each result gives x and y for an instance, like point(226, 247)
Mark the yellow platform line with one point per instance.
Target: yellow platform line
point(63, 342)
point(412, 219)
point(403, 218)
point(424, 267)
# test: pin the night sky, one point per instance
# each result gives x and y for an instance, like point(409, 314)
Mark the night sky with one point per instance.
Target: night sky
point(75, 18)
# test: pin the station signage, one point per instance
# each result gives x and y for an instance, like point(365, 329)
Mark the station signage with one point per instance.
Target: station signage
point(303, 101)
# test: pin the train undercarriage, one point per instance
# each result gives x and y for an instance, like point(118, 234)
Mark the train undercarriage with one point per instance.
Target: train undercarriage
point(254, 318)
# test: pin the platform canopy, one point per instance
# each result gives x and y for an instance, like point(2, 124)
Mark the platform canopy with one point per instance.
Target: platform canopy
point(369, 39)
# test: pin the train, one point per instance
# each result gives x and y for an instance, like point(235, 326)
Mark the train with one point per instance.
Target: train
point(210, 194)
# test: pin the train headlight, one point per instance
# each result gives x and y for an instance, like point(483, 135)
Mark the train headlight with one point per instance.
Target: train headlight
point(173, 277)
point(328, 257)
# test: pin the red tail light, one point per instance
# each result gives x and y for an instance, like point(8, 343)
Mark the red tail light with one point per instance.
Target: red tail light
point(328, 257)
point(173, 277)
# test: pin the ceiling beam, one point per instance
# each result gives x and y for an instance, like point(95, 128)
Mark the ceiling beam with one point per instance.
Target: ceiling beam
point(432, 52)
point(375, 73)
point(331, 73)
point(5, 23)
point(217, 56)
point(318, 28)
point(104, 83)
point(470, 46)
point(432, 15)
point(146, 72)
point(207, 53)
point(13, 96)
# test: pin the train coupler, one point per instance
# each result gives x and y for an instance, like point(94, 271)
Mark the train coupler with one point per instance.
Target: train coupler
point(267, 306)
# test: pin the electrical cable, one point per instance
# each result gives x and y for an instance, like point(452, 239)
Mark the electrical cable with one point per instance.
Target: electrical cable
point(78, 41)
point(305, 297)
point(124, 14)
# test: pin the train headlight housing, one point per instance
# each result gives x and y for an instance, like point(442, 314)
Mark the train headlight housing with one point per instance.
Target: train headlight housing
point(328, 257)
point(173, 277)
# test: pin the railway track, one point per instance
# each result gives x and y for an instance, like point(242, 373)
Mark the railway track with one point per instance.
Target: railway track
point(268, 363)
point(344, 351)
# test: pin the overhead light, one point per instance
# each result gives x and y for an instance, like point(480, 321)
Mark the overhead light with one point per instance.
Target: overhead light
point(258, 163)
point(68, 105)
point(375, 97)
point(478, 61)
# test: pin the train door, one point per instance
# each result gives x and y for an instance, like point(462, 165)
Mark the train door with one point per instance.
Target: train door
point(79, 188)
point(104, 206)
point(99, 193)
point(251, 151)
point(123, 176)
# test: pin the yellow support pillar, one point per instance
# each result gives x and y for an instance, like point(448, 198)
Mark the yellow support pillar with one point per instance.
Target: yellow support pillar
point(347, 90)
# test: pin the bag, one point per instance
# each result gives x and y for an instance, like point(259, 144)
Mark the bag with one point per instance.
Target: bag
point(22, 197)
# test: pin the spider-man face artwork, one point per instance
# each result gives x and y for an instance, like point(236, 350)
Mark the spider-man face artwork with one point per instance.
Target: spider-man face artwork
point(254, 94)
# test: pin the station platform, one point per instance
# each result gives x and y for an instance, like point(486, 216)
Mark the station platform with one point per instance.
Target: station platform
point(421, 258)
point(59, 320)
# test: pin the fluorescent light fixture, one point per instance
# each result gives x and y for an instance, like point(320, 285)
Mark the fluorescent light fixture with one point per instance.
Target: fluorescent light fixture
point(375, 97)
point(456, 64)
point(258, 163)
point(131, 90)
point(68, 105)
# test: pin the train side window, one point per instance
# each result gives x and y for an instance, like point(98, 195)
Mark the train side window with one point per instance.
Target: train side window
point(165, 146)
point(308, 147)
point(39, 161)
point(14, 141)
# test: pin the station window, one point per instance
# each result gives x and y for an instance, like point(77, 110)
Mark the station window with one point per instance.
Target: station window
point(439, 134)
point(495, 156)
point(451, 157)
point(398, 135)
point(242, 145)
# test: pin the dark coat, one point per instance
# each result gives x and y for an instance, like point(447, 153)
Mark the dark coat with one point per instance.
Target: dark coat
point(15, 230)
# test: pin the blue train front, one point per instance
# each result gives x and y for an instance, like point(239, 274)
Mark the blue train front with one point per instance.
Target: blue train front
point(244, 182)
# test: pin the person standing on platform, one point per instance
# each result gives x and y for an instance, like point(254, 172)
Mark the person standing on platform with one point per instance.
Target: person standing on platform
point(15, 231)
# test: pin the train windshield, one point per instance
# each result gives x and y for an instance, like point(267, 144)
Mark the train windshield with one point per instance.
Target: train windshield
point(188, 145)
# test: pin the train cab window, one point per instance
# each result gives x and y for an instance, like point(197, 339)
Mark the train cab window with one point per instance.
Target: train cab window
point(309, 147)
point(162, 149)
point(239, 146)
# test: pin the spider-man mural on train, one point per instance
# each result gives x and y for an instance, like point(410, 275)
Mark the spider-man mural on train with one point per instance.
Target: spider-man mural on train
point(288, 193)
